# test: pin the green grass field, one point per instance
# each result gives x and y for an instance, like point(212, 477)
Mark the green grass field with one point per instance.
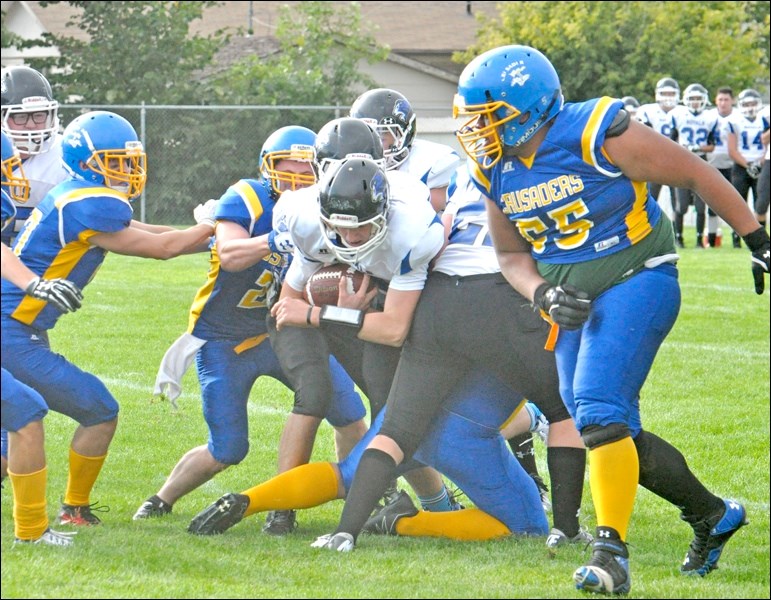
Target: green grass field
point(708, 395)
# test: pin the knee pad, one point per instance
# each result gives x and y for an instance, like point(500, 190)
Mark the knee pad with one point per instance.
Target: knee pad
point(595, 436)
point(230, 452)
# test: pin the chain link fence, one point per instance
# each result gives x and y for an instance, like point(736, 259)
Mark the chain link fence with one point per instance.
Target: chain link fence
point(195, 152)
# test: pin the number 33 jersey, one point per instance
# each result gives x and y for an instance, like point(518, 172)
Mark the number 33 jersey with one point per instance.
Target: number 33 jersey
point(569, 200)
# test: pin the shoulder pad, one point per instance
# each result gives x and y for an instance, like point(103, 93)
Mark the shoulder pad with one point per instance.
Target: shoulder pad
point(619, 125)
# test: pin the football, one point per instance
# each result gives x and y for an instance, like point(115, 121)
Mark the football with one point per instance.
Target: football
point(322, 287)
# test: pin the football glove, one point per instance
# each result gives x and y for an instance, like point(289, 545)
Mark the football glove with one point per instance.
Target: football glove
point(204, 213)
point(62, 293)
point(695, 148)
point(759, 245)
point(566, 305)
point(753, 170)
point(280, 241)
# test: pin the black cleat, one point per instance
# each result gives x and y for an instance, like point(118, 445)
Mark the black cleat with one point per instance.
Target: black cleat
point(219, 517)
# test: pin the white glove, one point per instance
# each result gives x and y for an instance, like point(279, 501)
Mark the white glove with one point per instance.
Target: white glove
point(204, 213)
point(280, 241)
point(694, 148)
point(753, 169)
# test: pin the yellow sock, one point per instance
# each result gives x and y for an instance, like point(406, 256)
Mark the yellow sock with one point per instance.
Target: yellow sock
point(613, 476)
point(470, 524)
point(302, 487)
point(83, 473)
point(30, 516)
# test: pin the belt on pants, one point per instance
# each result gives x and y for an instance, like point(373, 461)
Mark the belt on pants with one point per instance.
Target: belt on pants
point(461, 279)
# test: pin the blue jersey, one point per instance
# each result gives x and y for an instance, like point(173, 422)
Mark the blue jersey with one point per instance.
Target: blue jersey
point(55, 243)
point(9, 210)
point(569, 200)
point(233, 305)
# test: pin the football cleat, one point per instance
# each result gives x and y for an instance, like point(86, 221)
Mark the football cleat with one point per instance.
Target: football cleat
point(608, 569)
point(81, 516)
point(151, 508)
point(51, 538)
point(341, 542)
point(557, 538)
point(710, 537)
point(220, 516)
point(383, 520)
point(280, 522)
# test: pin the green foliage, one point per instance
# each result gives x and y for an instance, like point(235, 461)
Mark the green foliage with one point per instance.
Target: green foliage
point(708, 394)
point(136, 52)
point(623, 48)
point(320, 49)
point(195, 154)
point(8, 38)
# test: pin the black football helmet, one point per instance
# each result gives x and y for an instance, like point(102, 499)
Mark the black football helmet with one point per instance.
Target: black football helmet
point(352, 193)
point(26, 94)
point(346, 137)
point(389, 112)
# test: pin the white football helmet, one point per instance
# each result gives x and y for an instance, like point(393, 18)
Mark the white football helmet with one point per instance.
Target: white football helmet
point(696, 98)
point(667, 93)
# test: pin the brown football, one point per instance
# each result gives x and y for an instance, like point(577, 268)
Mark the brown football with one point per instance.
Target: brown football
point(322, 287)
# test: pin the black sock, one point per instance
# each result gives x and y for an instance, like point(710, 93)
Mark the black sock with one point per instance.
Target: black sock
point(664, 471)
point(522, 447)
point(567, 467)
point(375, 471)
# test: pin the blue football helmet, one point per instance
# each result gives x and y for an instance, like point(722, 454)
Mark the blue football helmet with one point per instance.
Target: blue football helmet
point(510, 93)
point(103, 148)
point(353, 193)
point(346, 137)
point(388, 112)
point(288, 143)
point(16, 185)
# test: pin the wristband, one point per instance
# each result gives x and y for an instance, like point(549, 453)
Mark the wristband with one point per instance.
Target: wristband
point(308, 316)
point(757, 239)
point(336, 315)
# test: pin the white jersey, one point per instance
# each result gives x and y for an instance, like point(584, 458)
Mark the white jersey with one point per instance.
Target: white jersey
point(694, 128)
point(432, 163)
point(470, 249)
point(764, 114)
point(44, 172)
point(747, 133)
point(415, 235)
point(719, 158)
point(656, 117)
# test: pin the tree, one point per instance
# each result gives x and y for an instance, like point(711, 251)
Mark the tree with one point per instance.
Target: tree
point(135, 52)
point(316, 64)
point(623, 48)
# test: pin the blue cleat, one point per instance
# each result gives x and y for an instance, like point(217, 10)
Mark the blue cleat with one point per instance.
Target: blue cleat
point(710, 537)
point(608, 569)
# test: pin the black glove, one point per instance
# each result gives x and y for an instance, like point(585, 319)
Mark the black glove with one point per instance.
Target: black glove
point(62, 293)
point(753, 170)
point(566, 305)
point(758, 243)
